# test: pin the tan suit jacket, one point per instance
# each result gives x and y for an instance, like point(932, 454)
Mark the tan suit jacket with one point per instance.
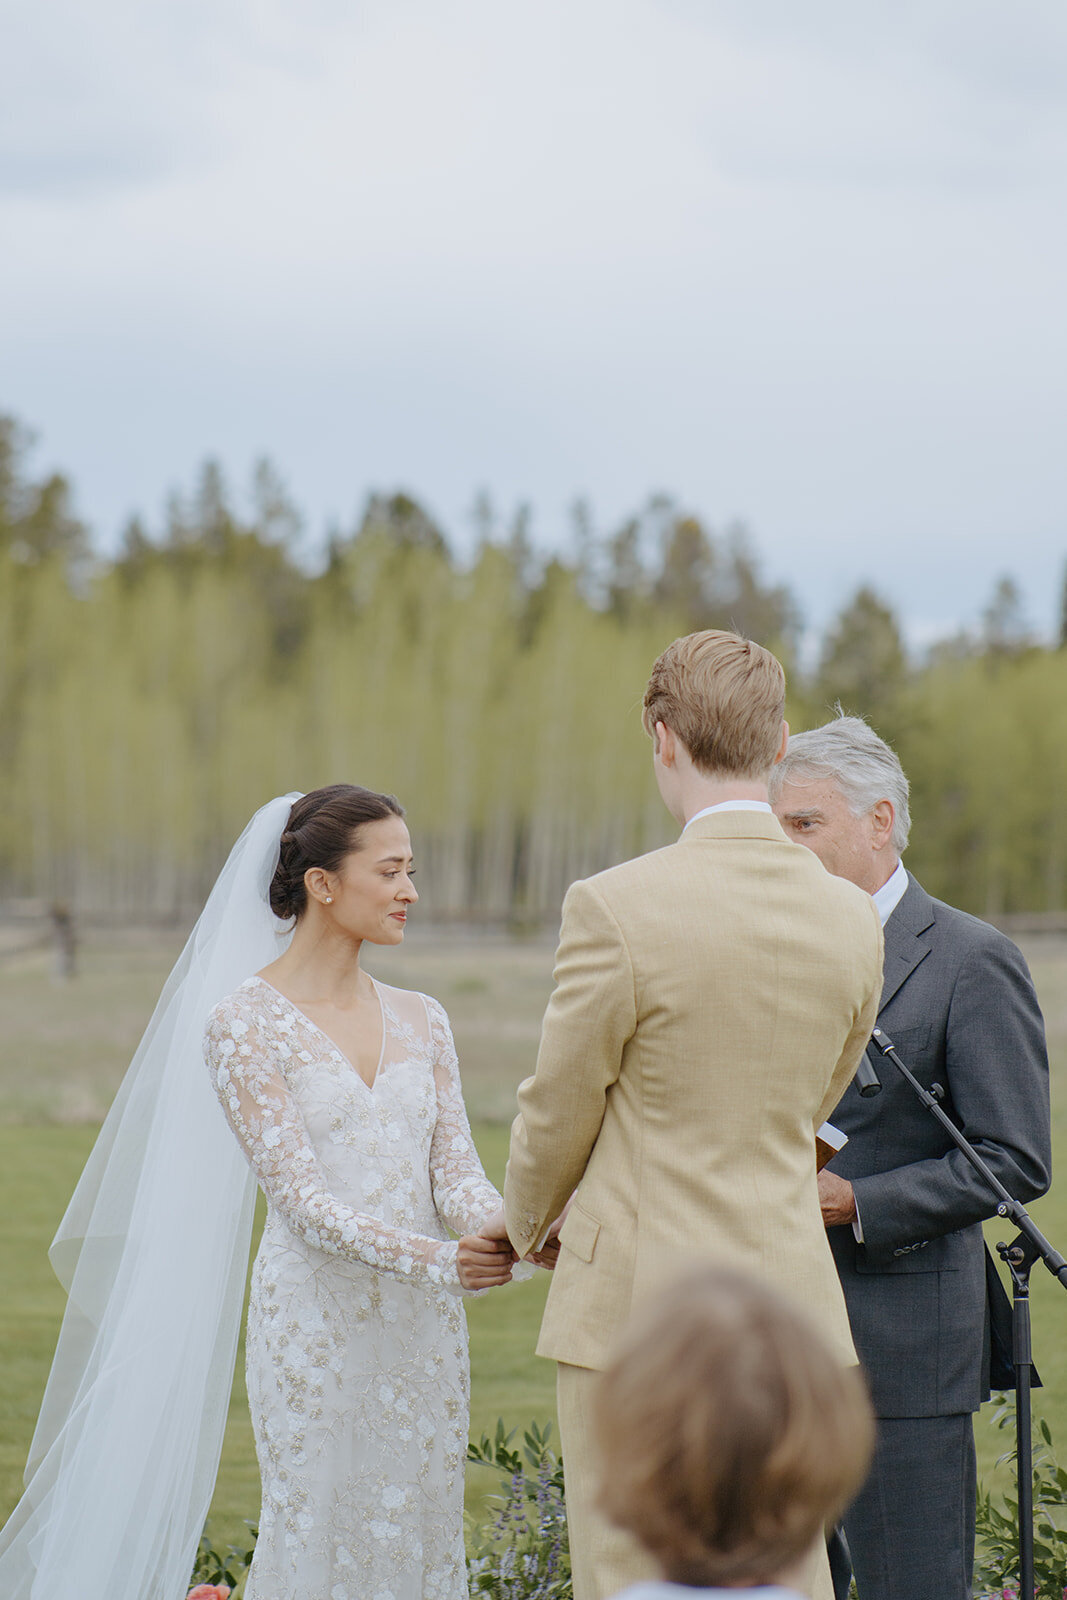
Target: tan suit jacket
point(712, 1001)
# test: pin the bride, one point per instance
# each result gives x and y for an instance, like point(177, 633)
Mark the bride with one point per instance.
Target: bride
point(344, 1097)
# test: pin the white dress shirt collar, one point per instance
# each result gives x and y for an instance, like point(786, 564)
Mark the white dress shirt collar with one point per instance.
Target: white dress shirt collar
point(730, 805)
point(888, 897)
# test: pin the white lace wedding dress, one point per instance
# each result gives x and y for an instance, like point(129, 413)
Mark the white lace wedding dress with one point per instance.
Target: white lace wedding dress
point(357, 1343)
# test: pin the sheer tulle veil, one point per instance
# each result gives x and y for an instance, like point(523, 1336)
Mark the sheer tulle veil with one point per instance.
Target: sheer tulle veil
point(153, 1253)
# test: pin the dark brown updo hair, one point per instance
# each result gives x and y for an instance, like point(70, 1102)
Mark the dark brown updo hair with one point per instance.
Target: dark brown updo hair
point(323, 828)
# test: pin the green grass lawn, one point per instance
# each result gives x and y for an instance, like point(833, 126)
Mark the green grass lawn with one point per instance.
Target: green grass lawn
point(64, 1052)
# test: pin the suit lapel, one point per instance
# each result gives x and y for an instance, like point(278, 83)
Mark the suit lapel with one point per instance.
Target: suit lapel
point(905, 941)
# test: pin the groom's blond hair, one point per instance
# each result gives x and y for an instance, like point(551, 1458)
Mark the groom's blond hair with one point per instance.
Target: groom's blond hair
point(729, 1433)
point(724, 697)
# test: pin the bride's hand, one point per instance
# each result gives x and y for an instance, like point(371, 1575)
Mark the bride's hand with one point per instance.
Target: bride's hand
point(483, 1263)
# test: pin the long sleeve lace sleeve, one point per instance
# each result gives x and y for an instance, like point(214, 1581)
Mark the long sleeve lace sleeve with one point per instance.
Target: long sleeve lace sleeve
point(271, 1131)
point(462, 1193)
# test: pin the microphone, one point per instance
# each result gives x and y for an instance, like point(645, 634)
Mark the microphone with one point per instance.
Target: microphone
point(867, 1080)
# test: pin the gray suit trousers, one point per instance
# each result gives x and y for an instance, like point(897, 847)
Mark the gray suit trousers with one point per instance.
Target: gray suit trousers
point(911, 1528)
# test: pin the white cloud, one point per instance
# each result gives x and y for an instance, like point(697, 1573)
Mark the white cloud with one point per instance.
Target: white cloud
point(118, 93)
point(798, 262)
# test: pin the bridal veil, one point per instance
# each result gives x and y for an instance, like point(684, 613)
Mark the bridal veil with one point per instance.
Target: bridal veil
point(153, 1253)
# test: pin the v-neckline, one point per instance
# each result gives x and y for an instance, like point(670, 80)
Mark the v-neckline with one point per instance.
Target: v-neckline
point(334, 1046)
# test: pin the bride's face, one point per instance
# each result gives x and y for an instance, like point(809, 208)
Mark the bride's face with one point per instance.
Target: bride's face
point(372, 890)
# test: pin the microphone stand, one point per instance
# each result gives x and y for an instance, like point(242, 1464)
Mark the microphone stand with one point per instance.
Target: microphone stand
point(1020, 1256)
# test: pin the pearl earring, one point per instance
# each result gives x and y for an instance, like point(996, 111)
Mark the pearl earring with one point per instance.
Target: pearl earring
point(329, 899)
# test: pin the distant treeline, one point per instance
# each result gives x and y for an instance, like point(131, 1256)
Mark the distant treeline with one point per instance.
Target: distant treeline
point(150, 702)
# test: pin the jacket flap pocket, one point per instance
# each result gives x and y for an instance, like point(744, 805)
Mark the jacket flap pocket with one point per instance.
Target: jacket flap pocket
point(579, 1233)
point(908, 1041)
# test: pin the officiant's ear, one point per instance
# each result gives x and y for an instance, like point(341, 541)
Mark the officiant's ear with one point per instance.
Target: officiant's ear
point(882, 819)
point(783, 744)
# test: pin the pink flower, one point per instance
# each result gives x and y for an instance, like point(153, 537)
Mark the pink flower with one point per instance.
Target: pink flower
point(209, 1591)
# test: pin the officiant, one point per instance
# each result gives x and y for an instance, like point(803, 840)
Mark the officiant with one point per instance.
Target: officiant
point(903, 1207)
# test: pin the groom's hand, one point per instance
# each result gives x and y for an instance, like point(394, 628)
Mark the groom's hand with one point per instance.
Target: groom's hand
point(483, 1263)
point(494, 1226)
point(548, 1254)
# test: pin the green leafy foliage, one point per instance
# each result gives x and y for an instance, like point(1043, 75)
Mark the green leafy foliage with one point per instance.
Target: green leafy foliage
point(215, 1566)
point(521, 1552)
point(151, 701)
point(996, 1573)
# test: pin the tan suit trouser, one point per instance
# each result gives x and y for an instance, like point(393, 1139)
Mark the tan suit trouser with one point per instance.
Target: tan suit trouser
point(605, 1560)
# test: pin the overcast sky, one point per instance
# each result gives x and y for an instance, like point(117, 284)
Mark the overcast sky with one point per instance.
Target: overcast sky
point(799, 263)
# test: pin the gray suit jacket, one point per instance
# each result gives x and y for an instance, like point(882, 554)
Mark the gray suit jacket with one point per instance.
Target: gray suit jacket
point(959, 1005)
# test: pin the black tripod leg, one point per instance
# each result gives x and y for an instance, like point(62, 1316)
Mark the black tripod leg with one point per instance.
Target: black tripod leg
point(1023, 1433)
point(840, 1562)
point(1020, 1256)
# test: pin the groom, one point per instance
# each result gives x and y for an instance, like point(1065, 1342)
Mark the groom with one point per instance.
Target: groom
point(712, 1001)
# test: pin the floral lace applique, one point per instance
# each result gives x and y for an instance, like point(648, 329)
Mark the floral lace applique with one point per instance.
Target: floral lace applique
point(246, 1069)
point(356, 1358)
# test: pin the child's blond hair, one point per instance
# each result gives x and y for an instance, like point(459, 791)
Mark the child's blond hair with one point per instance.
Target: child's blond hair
point(729, 1434)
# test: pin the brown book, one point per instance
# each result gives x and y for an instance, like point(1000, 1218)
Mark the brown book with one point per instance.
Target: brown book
point(828, 1141)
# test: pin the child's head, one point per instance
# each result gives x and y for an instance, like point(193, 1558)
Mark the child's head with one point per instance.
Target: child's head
point(729, 1434)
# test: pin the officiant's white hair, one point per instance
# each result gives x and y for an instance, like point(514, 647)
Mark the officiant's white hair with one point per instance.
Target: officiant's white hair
point(864, 768)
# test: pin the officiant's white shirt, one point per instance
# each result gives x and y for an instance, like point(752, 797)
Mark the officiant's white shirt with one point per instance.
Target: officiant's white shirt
point(888, 897)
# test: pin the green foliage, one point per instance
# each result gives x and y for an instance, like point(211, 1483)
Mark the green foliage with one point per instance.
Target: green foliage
point(149, 704)
point(1005, 631)
point(863, 664)
point(214, 1566)
point(36, 519)
point(997, 1550)
point(522, 1553)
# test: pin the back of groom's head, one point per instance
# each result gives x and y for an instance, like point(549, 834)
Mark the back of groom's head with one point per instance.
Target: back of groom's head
point(724, 697)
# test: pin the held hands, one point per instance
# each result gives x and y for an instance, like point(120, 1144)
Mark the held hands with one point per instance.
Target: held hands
point(836, 1199)
point(485, 1258)
point(548, 1254)
point(483, 1263)
point(495, 1228)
